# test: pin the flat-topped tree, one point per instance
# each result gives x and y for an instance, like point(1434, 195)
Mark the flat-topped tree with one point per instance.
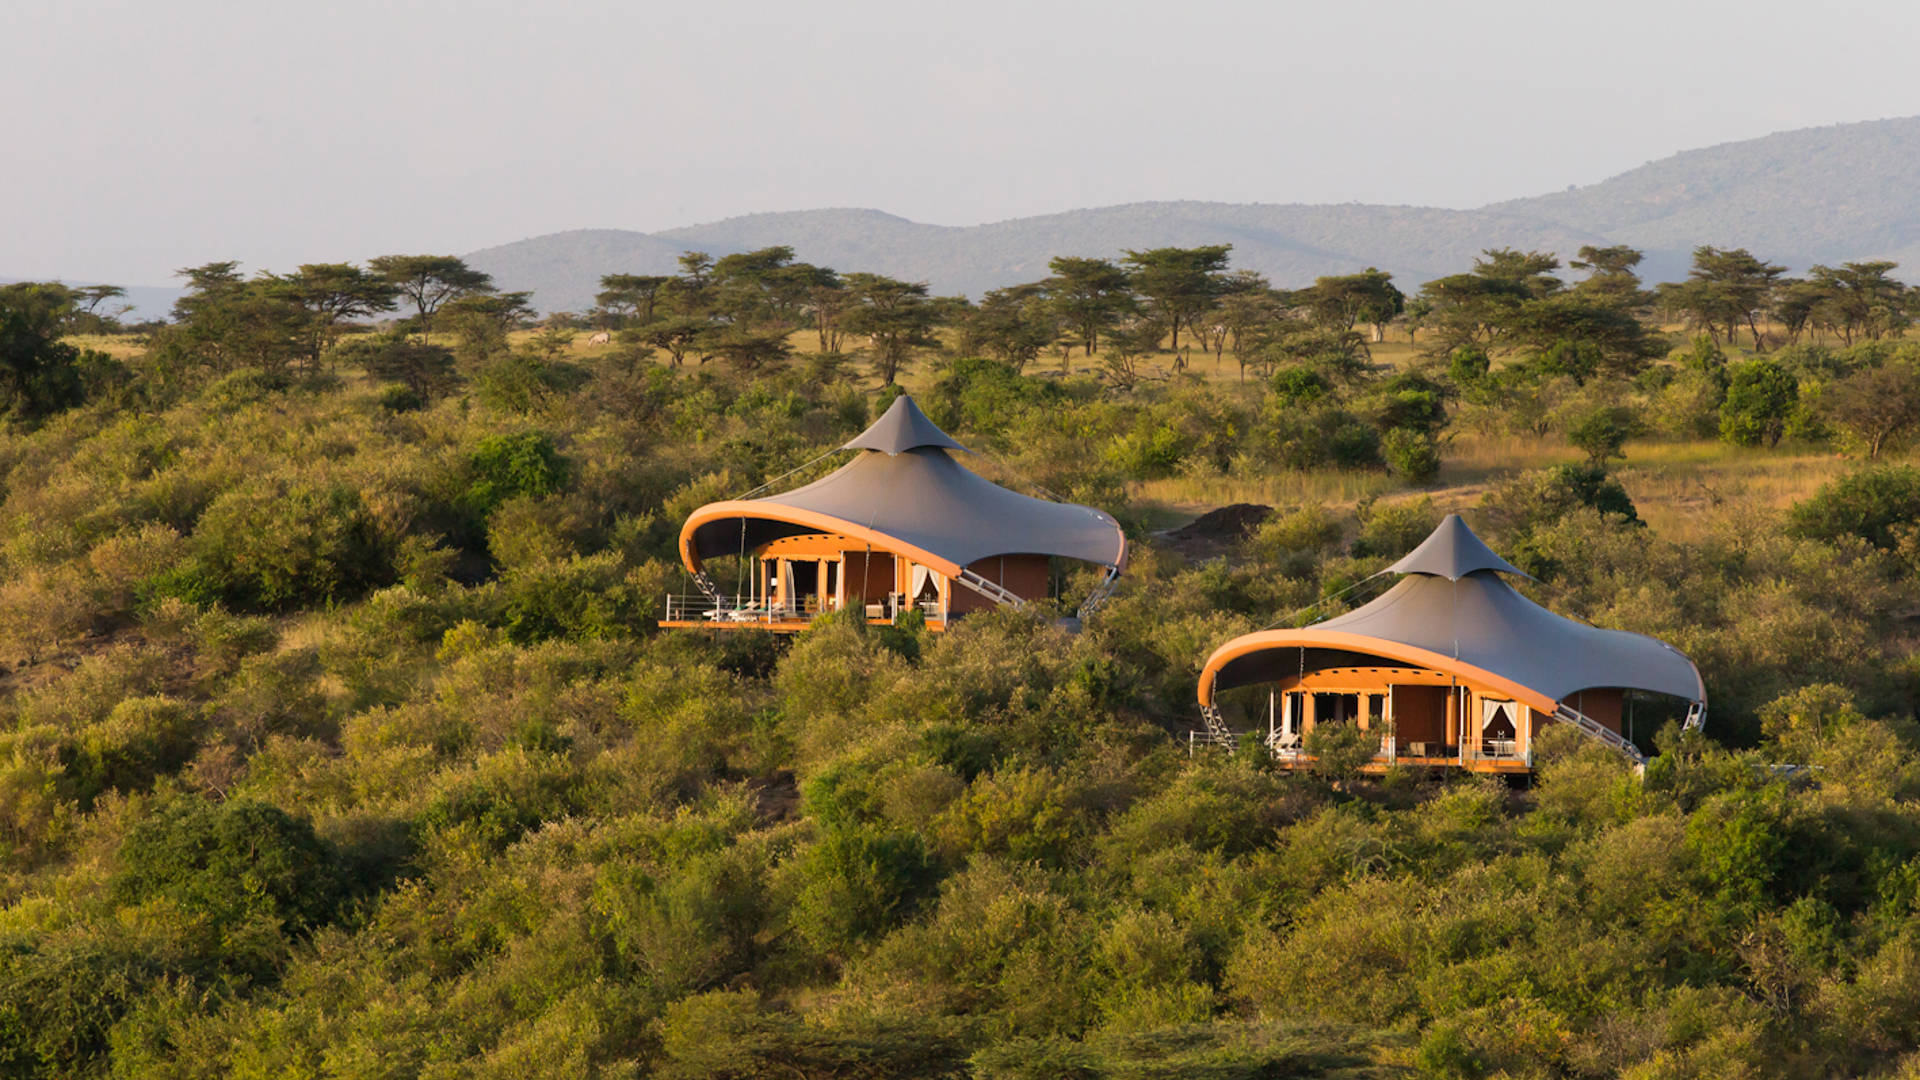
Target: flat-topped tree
point(630, 296)
point(1090, 295)
point(1179, 283)
point(428, 281)
point(333, 293)
point(1342, 300)
point(895, 316)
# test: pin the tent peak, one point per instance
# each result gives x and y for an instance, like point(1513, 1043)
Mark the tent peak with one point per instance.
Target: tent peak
point(1453, 552)
point(901, 428)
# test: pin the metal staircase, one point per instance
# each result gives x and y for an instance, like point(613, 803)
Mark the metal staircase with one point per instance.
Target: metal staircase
point(1696, 717)
point(1217, 731)
point(1100, 595)
point(1567, 714)
point(998, 594)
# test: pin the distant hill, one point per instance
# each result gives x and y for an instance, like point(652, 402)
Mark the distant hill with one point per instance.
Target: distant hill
point(1290, 244)
point(1829, 194)
point(1850, 191)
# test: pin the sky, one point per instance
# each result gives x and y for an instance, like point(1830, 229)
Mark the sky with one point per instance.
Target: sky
point(143, 137)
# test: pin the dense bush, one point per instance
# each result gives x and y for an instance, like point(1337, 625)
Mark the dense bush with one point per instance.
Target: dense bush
point(230, 863)
point(340, 738)
point(273, 547)
point(1878, 505)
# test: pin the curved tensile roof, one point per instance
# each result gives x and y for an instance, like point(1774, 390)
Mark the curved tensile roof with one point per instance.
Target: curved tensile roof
point(904, 493)
point(1453, 613)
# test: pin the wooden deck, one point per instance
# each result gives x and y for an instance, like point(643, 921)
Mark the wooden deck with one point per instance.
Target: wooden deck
point(773, 626)
point(1380, 765)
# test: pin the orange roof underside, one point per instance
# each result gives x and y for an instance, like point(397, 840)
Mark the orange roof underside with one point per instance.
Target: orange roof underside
point(1411, 655)
point(826, 523)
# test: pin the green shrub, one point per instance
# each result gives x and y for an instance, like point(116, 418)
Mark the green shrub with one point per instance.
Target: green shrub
point(1761, 397)
point(230, 862)
point(1318, 436)
point(1410, 401)
point(1148, 452)
point(1412, 456)
point(1391, 529)
point(271, 546)
point(1872, 504)
point(506, 466)
point(1297, 385)
point(859, 883)
point(1600, 432)
point(401, 399)
point(507, 795)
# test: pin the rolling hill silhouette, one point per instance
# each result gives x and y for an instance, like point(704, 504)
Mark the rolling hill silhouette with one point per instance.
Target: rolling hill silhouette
point(1824, 194)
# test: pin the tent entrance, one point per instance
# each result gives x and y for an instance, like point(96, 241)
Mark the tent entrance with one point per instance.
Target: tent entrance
point(1499, 728)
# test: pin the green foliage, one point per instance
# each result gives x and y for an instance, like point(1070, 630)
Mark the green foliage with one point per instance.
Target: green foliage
point(1323, 436)
point(860, 884)
point(1601, 431)
point(1760, 398)
point(39, 373)
point(269, 547)
point(339, 738)
point(1879, 504)
point(508, 466)
point(230, 863)
point(1148, 452)
point(1390, 530)
point(1296, 385)
point(1339, 750)
point(1412, 456)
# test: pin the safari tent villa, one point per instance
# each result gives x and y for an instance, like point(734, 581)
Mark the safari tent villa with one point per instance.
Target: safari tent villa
point(902, 526)
point(1450, 667)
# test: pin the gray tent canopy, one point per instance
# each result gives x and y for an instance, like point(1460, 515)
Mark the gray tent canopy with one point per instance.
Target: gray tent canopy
point(904, 492)
point(901, 428)
point(1453, 552)
point(1453, 612)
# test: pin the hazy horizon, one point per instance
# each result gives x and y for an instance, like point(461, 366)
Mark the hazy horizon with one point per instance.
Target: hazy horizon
point(208, 130)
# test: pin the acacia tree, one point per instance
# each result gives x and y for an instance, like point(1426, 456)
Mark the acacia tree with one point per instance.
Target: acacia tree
point(1610, 276)
point(630, 296)
point(827, 300)
point(1178, 283)
point(1480, 309)
point(1340, 301)
point(429, 281)
point(1797, 305)
point(332, 293)
point(1860, 298)
point(225, 321)
point(86, 316)
point(1013, 324)
point(896, 316)
point(1724, 290)
point(482, 321)
point(1091, 295)
point(1252, 315)
point(677, 334)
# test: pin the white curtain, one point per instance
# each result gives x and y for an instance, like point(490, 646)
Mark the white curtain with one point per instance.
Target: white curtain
point(920, 576)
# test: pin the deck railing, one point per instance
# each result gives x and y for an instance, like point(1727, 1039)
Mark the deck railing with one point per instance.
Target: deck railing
point(745, 611)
